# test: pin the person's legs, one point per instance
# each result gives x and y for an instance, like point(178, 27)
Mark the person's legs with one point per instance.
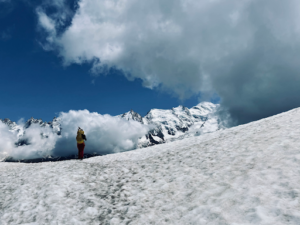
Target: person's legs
point(80, 150)
point(78, 146)
point(83, 145)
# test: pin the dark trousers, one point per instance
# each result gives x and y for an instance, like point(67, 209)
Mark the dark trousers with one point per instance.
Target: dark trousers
point(80, 150)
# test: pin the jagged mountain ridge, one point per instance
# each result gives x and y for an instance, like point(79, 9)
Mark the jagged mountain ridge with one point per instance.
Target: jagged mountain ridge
point(167, 125)
point(20, 130)
point(54, 124)
point(177, 123)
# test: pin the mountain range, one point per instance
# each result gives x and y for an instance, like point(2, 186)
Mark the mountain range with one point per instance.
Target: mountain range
point(166, 125)
point(177, 123)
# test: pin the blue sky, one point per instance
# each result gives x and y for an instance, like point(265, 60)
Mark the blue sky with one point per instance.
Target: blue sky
point(36, 84)
point(243, 54)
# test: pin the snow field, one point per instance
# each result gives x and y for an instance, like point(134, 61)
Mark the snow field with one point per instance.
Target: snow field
point(249, 174)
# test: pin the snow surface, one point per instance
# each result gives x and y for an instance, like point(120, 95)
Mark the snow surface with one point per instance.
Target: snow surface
point(249, 174)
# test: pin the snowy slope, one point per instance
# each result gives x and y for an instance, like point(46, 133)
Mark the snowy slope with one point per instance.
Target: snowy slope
point(249, 174)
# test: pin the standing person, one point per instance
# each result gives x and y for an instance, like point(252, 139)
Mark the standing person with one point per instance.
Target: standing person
point(80, 142)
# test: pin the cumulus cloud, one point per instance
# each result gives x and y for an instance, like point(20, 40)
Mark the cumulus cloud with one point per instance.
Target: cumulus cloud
point(246, 51)
point(105, 134)
point(8, 140)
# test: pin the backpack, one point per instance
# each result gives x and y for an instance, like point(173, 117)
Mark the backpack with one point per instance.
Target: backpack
point(80, 135)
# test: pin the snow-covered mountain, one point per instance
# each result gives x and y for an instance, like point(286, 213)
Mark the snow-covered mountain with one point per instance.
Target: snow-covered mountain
point(167, 125)
point(54, 124)
point(13, 127)
point(177, 123)
point(21, 129)
point(243, 175)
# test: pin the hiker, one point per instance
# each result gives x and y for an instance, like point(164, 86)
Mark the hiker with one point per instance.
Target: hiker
point(80, 142)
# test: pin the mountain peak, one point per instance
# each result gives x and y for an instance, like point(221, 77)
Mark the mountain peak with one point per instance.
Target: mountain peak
point(6, 121)
point(132, 115)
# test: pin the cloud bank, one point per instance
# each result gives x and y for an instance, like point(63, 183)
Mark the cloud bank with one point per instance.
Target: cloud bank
point(245, 51)
point(105, 134)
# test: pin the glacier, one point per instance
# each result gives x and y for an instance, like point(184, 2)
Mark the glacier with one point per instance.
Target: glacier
point(248, 174)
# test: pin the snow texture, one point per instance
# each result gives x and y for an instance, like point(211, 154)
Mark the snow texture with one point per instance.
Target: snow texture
point(248, 174)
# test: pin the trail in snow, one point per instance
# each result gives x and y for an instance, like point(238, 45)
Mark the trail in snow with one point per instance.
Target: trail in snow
point(249, 174)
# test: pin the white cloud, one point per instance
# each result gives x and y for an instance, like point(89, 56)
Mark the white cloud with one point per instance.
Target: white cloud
point(105, 134)
point(228, 47)
point(160, 42)
point(8, 139)
point(46, 22)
